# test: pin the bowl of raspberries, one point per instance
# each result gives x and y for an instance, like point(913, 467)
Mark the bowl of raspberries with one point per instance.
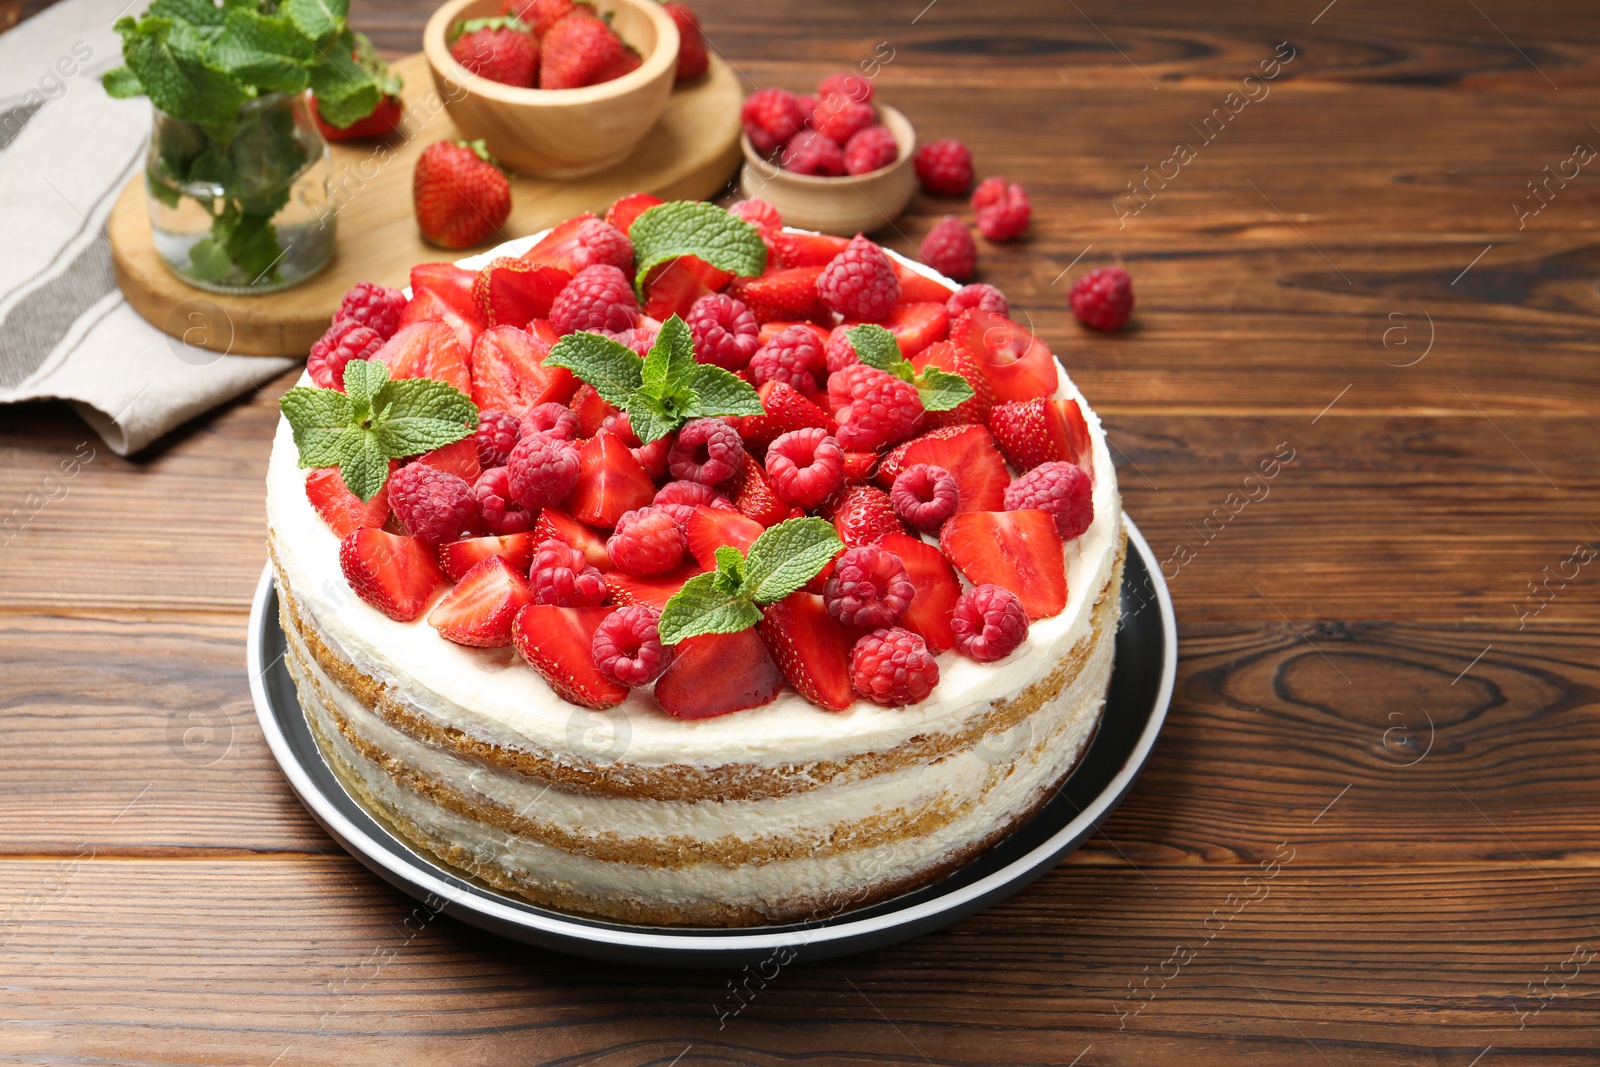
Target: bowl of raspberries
point(560, 88)
point(833, 160)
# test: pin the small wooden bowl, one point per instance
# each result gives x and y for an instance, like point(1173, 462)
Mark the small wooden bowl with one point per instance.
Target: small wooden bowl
point(856, 203)
point(559, 133)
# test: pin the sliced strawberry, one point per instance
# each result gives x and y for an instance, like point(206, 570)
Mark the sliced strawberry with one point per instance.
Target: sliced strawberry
point(863, 515)
point(452, 284)
point(858, 467)
point(479, 611)
point(341, 509)
point(918, 288)
point(671, 288)
point(1019, 550)
point(651, 592)
point(937, 587)
point(769, 330)
point(1016, 364)
point(458, 458)
point(622, 213)
point(397, 575)
point(427, 305)
point(558, 643)
point(1031, 432)
point(593, 413)
point(456, 558)
point(428, 349)
point(555, 523)
point(610, 482)
point(946, 356)
point(708, 529)
point(508, 372)
point(787, 409)
point(810, 648)
point(785, 294)
point(967, 452)
point(555, 248)
point(753, 495)
point(806, 249)
point(916, 326)
point(718, 673)
point(514, 292)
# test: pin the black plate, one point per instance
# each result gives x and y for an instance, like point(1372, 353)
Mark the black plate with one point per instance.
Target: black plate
point(1136, 706)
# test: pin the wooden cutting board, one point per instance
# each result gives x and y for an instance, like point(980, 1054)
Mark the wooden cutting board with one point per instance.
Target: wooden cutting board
point(691, 154)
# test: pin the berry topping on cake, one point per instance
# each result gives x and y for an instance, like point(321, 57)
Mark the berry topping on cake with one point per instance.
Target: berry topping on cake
point(781, 295)
point(397, 575)
point(937, 588)
point(552, 420)
point(786, 410)
point(652, 592)
point(758, 213)
point(725, 332)
point(947, 357)
point(1059, 487)
point(341, 509)
point(859, 283)
point(627, 648)
point(555, 524)
point(950, 249)
point(807, 249)
point(810, 152)
point(495, 437)
point(980, 296)
point(1102, 298)
point(500, 513)
point(893, 667)
point(715, 674)
point(1032, 432)
point(559, 643)
point(345, 340)
point(707, 451)
point(509, 372)
point(458, 557)
point(562, 575)
point(480, 609)
point(864, 514)
point(870, 148)
point(805, 467)
point(944, 168)
point(917, 325)
point(1002, 208)
point(433, 505)
point(967, 453)
point(542, 471)
point(682, 493)
point(647, 542)
point(868, 589)
point(988, 623)
point(600, 242)
point(377, 307)
point(793, 356)
point(810, 648)
point(924, 496)
point(598, 298)
point(1016, 364)
point(770, 117)
point(753, 495)
point(622, 213)
point(710, 528)
point(1019, 550)
point(874, 408)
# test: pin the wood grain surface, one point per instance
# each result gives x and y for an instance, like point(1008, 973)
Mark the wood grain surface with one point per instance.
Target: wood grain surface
point(1368, 834)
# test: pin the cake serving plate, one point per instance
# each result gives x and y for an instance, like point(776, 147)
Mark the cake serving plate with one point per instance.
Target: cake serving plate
point(1136, 706)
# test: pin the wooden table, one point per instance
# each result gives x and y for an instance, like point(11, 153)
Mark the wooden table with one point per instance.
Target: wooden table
point(1368, 833)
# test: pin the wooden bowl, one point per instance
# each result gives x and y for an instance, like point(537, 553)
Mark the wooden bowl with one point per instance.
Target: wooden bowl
point(856, 203)
point(559, 133)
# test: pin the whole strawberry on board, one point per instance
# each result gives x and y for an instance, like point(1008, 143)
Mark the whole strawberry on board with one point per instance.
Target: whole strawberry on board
point(500, 49)
point(461, 196)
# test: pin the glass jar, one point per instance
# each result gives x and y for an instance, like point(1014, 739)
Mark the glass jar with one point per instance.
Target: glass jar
point(243, 207)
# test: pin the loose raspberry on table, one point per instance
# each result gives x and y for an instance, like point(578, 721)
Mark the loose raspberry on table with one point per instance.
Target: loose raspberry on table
point(840, 119)
point(707, 451)
point(563, 576)
point(874, 408)
point(377, 307)
point(794, 356)
point(980, 296)
point(805, 467)
point(434, 505)
point(770, 117)
point(809, 152)
point(924, 496)
point(944, 168)
point(989, 623)
point(598, 298)
point(725, 332)
point(345, 340)
point(950, 249)
point(840, 353)
point(499, 512)
point(552, 420)
point(758, 213)
point(1103, 298)
point(872, 148)
point(627, 646)
point(848, 85)
point(599, 242)
point(647, 541)
point(497, 434)
point(869, 588)
point(1002, 208)
point(542, 471)
point(893, 667)
point(1062, 489)
point(860, 282)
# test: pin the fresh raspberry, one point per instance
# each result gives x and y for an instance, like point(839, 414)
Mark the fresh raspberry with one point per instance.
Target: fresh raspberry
point(872, 148)
point(1062, 489)
point(924, 496)
point(725, 332)
point(840, 353)
point(640, 338)
point(869, 588)
point(770, 117)
point(944, 168)
point(377, 307)
point(989, 623)
point(597, 298)
point(847, 85)
point(893, 667)
point(647, 541)
point(839, 118)
point(860, 283)
point(688, 494)
point(874, 408)
point(627, 646)
point(793, 356)
point(653, 457)
point(499, 512)
point(542, 471)
point(1103, 298)
point(563, 576)
point(980, 296)
point(345, 340)
point(601, 242)
point(809, 152)
point(435, 506)
point(758, 213)
point(950, 249)
point(552, 420)
point(1003, 210)
point(496, 436)
point(707, 451)
point(805, 467)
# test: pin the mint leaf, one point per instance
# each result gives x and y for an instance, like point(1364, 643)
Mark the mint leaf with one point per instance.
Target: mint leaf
point(121, 83)
point(346, 92)
point(938, 389)
point(788, 556)
point(700, 608)
point(267, 52)
point(198, 12)
point(730, 571)
point(942, 391)
point(317, 18)
point(720, 392)
point(175, 80)
point(876, 347)
point(669, 368)
point(362, 380)
point(318, 418)
point(613, 369)
point(695, 228)
point(420, 414)
point(363, 463)
point(649, 417)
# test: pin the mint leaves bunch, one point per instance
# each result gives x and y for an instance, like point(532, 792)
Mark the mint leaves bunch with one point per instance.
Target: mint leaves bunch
point(662, 391)
point(729, 599)
point(939, 390)
point(695, 228)
point(374, 420)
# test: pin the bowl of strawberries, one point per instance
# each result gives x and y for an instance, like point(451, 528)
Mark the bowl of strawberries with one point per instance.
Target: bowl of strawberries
point(555, 88)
